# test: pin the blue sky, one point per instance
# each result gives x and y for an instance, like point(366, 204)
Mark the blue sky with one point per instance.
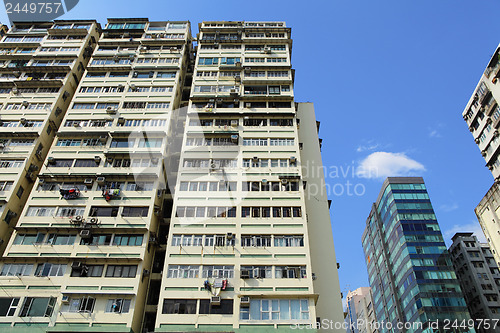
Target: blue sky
point(389, 80)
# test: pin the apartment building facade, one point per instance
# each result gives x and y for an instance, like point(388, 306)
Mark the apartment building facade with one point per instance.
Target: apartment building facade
point(482, 114)
point(409, 269)
point(41, 66)
point(90, 241)
point(479, 277)
point(240, 253)
point(360, 314)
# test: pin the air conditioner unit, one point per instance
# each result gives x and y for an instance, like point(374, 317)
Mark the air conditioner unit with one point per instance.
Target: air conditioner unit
point(88, 181)
point(76, 264)
point(173, 49)
point(238, 64)
point(109, 159)
point(248, 70)
point(245, 274)
point(76, 124)
point(103, 138)
point(248, 105)
point(233, 91)
point(85, 233)
point(133, 87)
point(234, 123)
point(229, 235)
point(245, 302)
point(215, 300)
point(143, 49)
point(293, 159)
point(264, 181)
point(97, 159)
point(157, 210)
point(111, 110)
point(284, 181)
point(219, 100)
point(236, 100)
point(146, 272)
point(267, 49)
point(94, 220)
point(100, 180)
point(65, 299)
point(211, 100)
point(25, 103)
point(15, 90)
point(23, 121)
point(237, 78)
point(234, 137)
point(121, 120)
point(121, 86)
point(126, 35)
point(51, 160)
point(255, 159)
point(213, 166)
point(41, 181)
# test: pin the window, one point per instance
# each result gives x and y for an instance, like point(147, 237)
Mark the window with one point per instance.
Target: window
point(225, 272)
point(96, 211)
point(255, 240)
point(183, 271)
point(16, 269)
point(118, 305)
point(179, 306)
point(84, 304)
point(288, 241)
point(289, 272)
point(88, 271)
point(123, 271)
point(87, 163)
point(258, 272)
point(97, 240)
point(48, 269)
point(122, 143)
point(166, 75)
point(8, 306)
point(135, 211)
point(150, 143)
point(276, 309)
point(70, 211)
point(38, 307)
point(225, 307)
point(40, 211)
point(128, 240)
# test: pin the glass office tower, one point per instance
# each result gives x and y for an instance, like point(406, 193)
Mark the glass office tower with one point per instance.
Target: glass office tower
point(409, 269)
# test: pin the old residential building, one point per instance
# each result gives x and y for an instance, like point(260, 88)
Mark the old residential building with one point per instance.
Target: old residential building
point(478, 275)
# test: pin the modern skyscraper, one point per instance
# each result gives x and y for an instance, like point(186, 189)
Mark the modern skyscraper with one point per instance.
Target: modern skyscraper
point(41, 66)
point(247, 248)
point(409, 269)
point(98, 217)
point(482, 115)
point(478, 275)
point(250, 245)
point(360, 312)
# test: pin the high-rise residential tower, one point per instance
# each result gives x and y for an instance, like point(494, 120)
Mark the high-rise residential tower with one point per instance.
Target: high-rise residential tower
point(409, 269)
point(482, 114)
point(183, 191)
point(90, 240)
point(360, 313)
point(478, 275)
point(41, 65)
point(248, 249)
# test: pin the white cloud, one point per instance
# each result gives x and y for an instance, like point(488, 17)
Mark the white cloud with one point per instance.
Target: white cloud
point(434, 134)
point(470, 227)
point(382, 164)
point(368, 147)
point(448, 207)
